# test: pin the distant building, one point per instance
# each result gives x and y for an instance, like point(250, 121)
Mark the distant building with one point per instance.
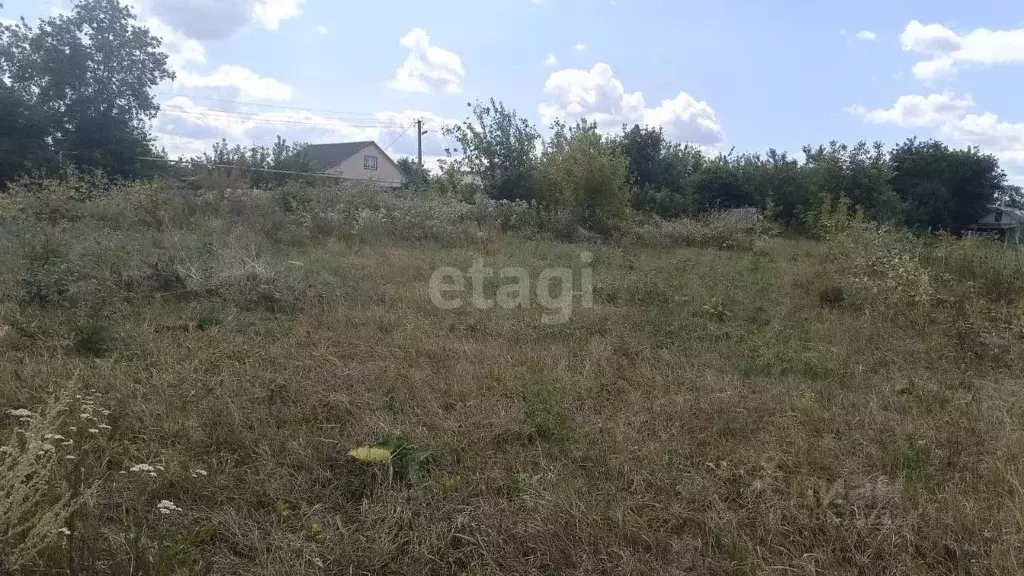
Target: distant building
point(358, 161)
point(1005, 223)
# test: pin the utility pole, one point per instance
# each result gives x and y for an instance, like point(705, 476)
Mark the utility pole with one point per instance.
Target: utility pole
point(419, 140)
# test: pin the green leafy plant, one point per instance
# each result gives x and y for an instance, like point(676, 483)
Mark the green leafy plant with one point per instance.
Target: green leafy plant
point(92, 339)
point(405, 460)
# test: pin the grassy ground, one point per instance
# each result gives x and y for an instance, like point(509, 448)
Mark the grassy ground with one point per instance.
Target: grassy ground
point(716, 412)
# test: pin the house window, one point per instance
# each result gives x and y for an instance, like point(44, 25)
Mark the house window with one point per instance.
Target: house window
point(370, 163)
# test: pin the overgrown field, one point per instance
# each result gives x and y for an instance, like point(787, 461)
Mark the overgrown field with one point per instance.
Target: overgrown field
point(734, 402)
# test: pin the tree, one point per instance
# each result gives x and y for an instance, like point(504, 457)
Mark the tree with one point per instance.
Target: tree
point(586, 173)
point(716, 186)
point(1012, 197)
point(500, 148)
point(84, 81)
point(23, 134)
point(412, 171)
point(944, 188)
point(644, 149)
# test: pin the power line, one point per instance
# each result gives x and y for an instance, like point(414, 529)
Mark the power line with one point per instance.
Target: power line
point(276, 171)
point(404, 132)
point(246, 103)
point(256, 119)
point(347, 117)
point(255, 115)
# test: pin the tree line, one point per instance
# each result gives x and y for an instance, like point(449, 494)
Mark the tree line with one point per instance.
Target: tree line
point(920, 184)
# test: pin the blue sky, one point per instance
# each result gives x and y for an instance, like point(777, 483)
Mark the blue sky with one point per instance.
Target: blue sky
point(744, 74)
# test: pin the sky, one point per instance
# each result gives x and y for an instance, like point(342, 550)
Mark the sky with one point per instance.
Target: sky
point(744, 74)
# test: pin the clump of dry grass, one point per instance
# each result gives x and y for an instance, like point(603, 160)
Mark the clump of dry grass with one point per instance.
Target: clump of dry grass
point(46, 476)
point(722, 231)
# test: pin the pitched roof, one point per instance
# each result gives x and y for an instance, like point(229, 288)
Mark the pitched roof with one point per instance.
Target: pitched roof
point(324, 156)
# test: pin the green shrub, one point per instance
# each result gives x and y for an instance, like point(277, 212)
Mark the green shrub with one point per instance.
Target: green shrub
point(586, 173)
point(49, 277)
point(831, 296)
point(92, 339)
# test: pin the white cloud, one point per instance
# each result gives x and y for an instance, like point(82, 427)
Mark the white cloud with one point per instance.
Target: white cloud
point(181, 146)
point(180, 49)
point(243, 82)
point(270, 13)
point(915, 110)
point(201, 19)
point(427, 68)
point(948, 50)
point(597, 95)
point(580, 47)
point(322, 30)
point(867, 35)
point(951, 118)
point(550, 60)
point(217, 19)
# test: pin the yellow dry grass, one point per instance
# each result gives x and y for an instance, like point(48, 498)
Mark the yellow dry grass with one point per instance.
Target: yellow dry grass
point(712, 414)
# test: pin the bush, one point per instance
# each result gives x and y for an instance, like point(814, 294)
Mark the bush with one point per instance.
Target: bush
point(585, 173)
point(49, 278)
point(885, 269)
point(92, 339)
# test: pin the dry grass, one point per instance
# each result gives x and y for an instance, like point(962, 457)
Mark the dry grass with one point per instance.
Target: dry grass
point(712, 414)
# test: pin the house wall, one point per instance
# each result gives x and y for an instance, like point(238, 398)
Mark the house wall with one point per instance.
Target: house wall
point(387, 172)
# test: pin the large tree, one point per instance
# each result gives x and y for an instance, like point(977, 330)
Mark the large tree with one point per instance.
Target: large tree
point(945, 188)
point(500, 148)
point(80, 84)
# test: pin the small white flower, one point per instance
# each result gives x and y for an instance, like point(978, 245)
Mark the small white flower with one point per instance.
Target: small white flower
point(103, 427)
point(24, 419)
point(69, 457)
point(47, 447)
point(159, 467)
point(68, 442)
point(21, 412)
point(141, 468)
point(64, 531)
point(73, 428)
point(93, 431)
point(153, 474)
point(86, 416)
point(52, 437)
point(105, 412)
point(166, 507)
point(198, 472)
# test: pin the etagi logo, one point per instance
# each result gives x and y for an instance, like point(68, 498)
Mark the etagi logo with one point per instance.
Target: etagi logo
point(554, 289)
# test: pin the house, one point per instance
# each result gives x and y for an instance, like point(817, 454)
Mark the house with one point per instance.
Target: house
point(362, 161)
point(1005, 223)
